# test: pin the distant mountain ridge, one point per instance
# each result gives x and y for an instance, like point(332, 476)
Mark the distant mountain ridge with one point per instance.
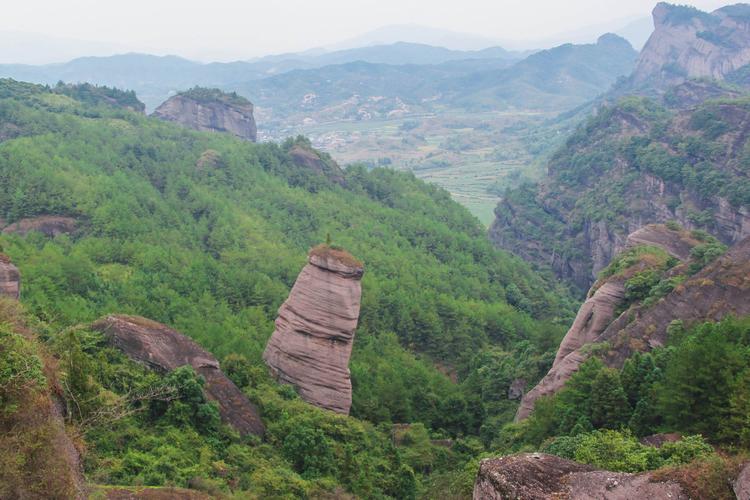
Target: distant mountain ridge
point(155, 78)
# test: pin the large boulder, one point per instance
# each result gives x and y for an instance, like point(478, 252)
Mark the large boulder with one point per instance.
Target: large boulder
point(211, 110)
point(312, 343)
point(10, 278)
point(164, 349)
point(538, 476)
point(48, 225)
point(304, 156)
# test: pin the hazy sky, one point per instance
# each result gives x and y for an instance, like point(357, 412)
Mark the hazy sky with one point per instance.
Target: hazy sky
point(235, 29)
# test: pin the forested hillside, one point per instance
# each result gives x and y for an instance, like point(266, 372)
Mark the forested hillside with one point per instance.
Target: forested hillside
point(207, 233)
point(638, 160)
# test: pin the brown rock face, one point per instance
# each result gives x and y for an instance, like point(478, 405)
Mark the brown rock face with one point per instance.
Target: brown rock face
point(593, 317)
point(537, 476)
point(10, 279)
point(312, 342)
point(49, 225)
point(214, 112)
point(310, 159)
point(742, 484)
point(721, 289)
point(687, 43)
point(163, 349)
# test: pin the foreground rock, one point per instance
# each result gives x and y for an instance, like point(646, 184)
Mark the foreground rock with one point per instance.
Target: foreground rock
point(537, 476)
point(48, 225)
point(163, 349)
point(210, 110)
point(10, 278)
point(312, 343)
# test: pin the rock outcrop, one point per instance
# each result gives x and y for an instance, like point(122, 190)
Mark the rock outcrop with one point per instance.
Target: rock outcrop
point(538, 476)
point(10, 278)
point(304, 156)
point(312, 343)
point(721, 289)
point(688, 43)
point(593, 317)
point(211, 110)
point(742, 483)
point(163, 349)
point(48, 225)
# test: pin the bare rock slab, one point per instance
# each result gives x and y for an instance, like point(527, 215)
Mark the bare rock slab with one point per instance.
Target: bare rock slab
point(538, 476)
point(164, 349)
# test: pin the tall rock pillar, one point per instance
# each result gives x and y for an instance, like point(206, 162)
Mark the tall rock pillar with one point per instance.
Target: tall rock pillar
point(312, 343)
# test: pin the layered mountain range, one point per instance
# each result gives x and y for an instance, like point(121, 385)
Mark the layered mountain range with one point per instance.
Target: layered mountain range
point(679, 154)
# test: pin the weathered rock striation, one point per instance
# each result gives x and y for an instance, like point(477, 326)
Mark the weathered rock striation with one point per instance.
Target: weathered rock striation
point(719, 290)
point(48, 225)
point(312, 343)
point(10, 278)
point(687, 43)
point(210, 110)
point(538, 476)
point(593, 317)
point(163, 349)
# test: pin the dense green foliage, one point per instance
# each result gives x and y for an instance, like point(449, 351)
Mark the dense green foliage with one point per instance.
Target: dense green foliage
point(207, 95)
point(207, 233)
point(634, 160)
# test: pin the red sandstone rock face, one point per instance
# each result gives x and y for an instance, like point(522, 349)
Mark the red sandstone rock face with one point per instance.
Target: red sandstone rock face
point(742, 484)
point(593, 317)
point(49, 225)
point(537, 476)
point(721, 289)
point(10, 279)
point(210, 116)
point(312, 342)
point(163, 349)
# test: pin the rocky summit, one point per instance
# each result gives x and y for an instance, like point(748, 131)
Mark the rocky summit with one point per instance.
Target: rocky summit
point(688, 43)
point(211, 110)
point(314, 335)
point(163, 349)
point(538, 476)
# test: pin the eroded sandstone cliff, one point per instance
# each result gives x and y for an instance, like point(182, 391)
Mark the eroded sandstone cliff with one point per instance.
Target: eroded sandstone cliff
point(720, 289)
point(210, 110)
point(538, 476)
point(164, 349)
point(312, 343)
point(687, 43)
